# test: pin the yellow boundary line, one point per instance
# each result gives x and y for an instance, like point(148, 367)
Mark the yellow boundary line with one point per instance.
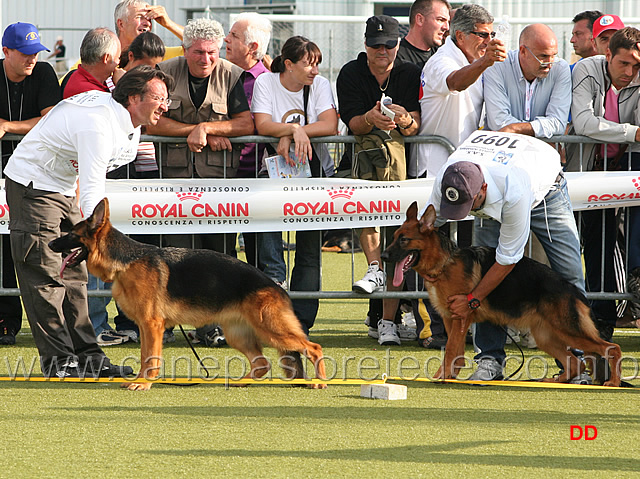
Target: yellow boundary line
point(334, 382)
point(178, 381)
point(517, 384)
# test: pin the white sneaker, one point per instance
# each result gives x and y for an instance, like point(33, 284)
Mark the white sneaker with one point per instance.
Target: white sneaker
point(513, 335)
point(388, 333)
point(409, 319)
point(406, 332)
point(528, 341)
point(108, 338)
point(372, 281)
point(373, 331)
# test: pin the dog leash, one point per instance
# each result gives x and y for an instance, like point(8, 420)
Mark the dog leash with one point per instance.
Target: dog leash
point(195, 353)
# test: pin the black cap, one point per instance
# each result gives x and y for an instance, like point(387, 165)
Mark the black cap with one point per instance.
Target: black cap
point(382, 30)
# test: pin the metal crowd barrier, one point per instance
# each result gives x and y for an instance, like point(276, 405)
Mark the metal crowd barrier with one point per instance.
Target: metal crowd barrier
point(337, 144)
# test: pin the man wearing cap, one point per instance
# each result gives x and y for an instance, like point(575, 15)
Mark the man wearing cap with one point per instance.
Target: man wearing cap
point(28, 91)
point(451, 97)
point(361, 84)
point(606, 91)
point(603, 29)
point(512, 184)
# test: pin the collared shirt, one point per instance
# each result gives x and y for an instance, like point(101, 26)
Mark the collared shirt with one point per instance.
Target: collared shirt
point(519, 172)
point(452, 114)
point(247, 165)
point(80, 81)
point(505, 94)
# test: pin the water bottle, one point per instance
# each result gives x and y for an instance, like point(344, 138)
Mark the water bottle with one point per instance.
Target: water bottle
point(503, 31)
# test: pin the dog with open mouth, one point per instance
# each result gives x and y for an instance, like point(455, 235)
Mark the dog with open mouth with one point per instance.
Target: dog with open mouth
point(163, 287)
point(531, 296)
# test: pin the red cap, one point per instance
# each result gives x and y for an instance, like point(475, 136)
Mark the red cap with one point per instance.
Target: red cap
point(606, 22)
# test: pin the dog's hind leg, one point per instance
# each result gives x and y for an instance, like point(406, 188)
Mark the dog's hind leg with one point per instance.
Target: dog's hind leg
point(609, 351)
point(244, 339)
point(554, 344)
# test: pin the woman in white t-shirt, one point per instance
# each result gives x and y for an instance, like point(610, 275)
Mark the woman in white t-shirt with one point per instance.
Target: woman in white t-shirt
point(278, 106)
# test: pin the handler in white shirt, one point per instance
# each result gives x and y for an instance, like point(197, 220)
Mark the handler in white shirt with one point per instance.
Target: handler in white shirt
point(79, 140)
point(513, 184)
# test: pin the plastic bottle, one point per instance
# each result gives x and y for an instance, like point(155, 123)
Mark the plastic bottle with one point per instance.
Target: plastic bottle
point(503, 30)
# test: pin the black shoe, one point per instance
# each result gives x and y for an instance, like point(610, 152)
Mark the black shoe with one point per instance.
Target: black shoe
point(7, 337)
point(111, 371)
point(107, 371)
point(215, 338)
point(438, 341)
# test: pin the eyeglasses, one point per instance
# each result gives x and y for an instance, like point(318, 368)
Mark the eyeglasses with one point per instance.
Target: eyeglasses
point(542, 64)
point(166, 101)
point(485, 35)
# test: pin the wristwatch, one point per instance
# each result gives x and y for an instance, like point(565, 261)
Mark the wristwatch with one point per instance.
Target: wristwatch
point(474, 303)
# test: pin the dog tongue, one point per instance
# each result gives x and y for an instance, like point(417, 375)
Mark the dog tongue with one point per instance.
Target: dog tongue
point(398, 275)
point(65, 262)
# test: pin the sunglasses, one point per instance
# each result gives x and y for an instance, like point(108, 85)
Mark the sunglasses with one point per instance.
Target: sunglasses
point(388, 46)
point(485, 35)
point(542, 64)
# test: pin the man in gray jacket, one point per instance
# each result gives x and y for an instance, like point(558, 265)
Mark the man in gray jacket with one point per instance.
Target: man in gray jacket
point(606, 90)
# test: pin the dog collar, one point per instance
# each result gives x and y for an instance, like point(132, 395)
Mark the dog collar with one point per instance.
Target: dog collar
point(474, 303)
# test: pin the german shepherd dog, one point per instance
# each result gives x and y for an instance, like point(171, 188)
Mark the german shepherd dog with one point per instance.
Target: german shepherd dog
point(531, 296)
point(163, 287)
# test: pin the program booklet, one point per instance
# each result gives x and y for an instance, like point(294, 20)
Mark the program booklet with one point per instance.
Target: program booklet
point(277, 167)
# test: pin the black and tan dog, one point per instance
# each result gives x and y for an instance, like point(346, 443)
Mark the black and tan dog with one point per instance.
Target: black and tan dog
point(531, 296)
point(163, 287)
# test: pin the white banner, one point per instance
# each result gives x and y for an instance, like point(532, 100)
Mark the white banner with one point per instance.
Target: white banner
point(235, 205)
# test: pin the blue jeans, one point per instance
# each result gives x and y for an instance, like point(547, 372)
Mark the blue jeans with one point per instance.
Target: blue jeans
point(306, 276)
point(98, 305)
point(271, 255)
point(560, 242)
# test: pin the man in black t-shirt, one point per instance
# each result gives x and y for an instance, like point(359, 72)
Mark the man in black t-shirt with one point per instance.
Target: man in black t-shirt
point(28, 90)
point(428, 25)
point(360, 85)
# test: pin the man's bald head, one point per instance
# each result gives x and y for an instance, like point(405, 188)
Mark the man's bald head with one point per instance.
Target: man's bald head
point(537, 52)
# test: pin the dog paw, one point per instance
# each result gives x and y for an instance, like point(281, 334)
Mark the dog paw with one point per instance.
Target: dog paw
point(612, 384)
point(317, 386)
point(136, 386)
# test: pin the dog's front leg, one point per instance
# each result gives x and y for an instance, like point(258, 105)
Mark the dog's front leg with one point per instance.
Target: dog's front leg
point(150, 354)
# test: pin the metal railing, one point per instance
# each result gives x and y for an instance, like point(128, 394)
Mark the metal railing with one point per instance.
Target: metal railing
point(340, 142)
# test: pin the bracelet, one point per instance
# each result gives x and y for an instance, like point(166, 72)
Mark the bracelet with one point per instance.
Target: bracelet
point(367, 121)
point(413, 120)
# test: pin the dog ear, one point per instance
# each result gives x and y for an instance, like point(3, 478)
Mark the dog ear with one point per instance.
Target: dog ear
point(99, 216)
point(428, 219)
point(412, 211)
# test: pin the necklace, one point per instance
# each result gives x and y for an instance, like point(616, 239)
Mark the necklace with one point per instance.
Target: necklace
point(386, 84)
point(6, 82)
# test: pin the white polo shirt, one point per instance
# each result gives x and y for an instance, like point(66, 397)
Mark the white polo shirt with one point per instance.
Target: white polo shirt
point(452, 114)
point(519, 171)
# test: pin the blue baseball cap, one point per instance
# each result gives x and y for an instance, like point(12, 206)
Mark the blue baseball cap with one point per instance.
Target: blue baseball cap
point(23, 37)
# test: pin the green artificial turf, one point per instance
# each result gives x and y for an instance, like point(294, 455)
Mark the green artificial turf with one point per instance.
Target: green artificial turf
point(99, 430)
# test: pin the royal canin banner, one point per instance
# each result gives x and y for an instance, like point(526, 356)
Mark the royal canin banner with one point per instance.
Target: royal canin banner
point(232, 206)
